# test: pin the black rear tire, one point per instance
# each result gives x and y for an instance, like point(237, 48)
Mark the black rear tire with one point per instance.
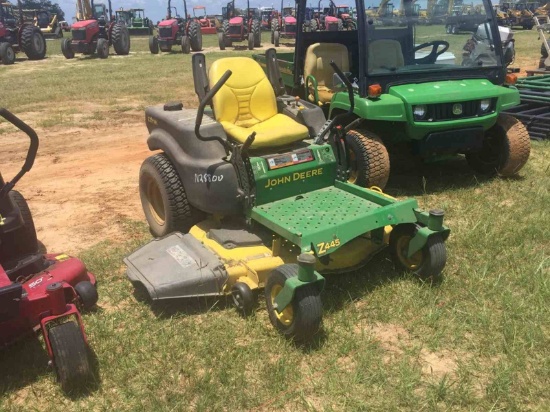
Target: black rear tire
point(250, 41)
point(370, 163)
point(33, 43)
point(195, 36)
point(257, 34)
point(121, 39)
point(87, 293)
point(7, 54)
point(163, 197)
point(153, 45)
point(67, 49)
point(300, 320)
point(276, 36)
point(22, 241)
point(70, 356)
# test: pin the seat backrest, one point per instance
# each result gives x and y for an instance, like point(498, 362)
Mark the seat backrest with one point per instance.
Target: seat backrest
point(318, 58)
point(247, 98)
point(385, 53)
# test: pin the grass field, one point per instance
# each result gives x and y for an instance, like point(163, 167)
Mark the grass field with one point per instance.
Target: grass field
point(479, 341)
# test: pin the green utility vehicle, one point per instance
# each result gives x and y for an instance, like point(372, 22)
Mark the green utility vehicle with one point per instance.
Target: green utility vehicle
point(413, 92)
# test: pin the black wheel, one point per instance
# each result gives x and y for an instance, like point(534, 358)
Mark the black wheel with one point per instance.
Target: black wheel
point(428, 262)
point(185, 45)
point(370, 163)
point(87, 294)
point(153, 45)
point(21, 241)
point(276, 36)
point(67, 49)
point(250, 41)
point(163, 197)
point(221, 40)
point(33, 43)
point(195, 35)
point(70, 356)
point(274, 28)
point(58, 33)
point(506, 148)
point(121, 39)
point(243, 298)
point(448, 29)
point(313, 26)
point(301, 319)
point(225, 30)
point(256, 32)
point(7, 54)
point(103, 48)
point(454, 29)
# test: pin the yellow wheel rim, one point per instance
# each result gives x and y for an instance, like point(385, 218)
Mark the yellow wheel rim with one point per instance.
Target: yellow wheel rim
point(353, 172)
point(413, 262)
point(156, 205)
point(287, 315)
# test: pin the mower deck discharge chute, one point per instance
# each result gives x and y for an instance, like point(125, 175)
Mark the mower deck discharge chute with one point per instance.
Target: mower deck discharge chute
point(41, 292)
point(261, 190)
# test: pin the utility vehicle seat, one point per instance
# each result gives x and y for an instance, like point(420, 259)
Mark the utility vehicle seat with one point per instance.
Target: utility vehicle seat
point(246, 103)
point(317, 65)
point(384, 54)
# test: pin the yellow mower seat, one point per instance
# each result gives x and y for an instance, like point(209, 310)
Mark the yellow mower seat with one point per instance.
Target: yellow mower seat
point(246, 103)
point(317, 65)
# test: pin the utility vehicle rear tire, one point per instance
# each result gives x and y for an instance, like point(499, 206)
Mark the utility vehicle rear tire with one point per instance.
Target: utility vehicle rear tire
point(67, 49)
point(163, 197)
point(195, 36)
point(70, 356)
point(256, 32)
point(250, 41)
point(87, 293)
point(7, 54)
point(22, 241)
point(33, 43)
point(301, 319)
point(243, 298)
point(153, 45)
point(103, 48)
point(506, 148)
point(121, 39)
point(221, 41)
point(428, 263)
point(185, 45)
point(370, 163)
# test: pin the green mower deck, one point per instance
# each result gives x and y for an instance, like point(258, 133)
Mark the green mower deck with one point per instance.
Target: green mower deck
point(325, 219)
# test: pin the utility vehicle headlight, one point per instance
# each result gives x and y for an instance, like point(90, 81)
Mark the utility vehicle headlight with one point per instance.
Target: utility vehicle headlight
point(485, 105)
point(420, 111)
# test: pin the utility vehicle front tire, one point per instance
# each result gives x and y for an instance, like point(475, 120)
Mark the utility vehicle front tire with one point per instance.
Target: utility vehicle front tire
point(370, 162)
point(33, 43)
point(70, 356)
point(121, 39)
point(67, 49)
point(7, 54)
point(153, 45)
point(195, 36)
point(506, 148)
point(87, 294)
point(428, 262)
point(243, 298)
point(301, 319)
point(163, 197)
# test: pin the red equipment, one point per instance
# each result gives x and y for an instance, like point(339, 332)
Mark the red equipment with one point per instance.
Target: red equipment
point(207, 26)
point(283, 25)
point(240, 28)
point(41, 292)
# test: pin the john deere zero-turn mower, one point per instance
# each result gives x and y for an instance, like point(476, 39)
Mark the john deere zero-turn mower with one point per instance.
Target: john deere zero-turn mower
point(258, 196)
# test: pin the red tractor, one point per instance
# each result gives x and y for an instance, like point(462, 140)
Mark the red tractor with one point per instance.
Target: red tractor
point(207, 25)
point(17, 35)
point(41, 292)
point(177, 31)
point(326, 19)
point(95, 31)
point(283, 25)
point(240, 28)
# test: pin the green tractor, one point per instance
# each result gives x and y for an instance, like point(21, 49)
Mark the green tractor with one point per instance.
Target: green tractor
point(255, 194)
point(136, 22)
point(414, 93)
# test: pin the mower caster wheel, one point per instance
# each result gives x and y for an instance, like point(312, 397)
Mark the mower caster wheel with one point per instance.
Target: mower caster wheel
point(427, 263)
point(243, 298)
point(87, 294)
point(301, 319)
point(70, 356)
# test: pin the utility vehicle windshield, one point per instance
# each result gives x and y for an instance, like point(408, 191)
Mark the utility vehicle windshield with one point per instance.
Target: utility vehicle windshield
point(413, 40)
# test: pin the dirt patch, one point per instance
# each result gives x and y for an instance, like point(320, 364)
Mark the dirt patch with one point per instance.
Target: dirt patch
point(84, 182)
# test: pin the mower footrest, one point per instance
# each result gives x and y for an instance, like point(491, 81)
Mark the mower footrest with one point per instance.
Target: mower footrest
point(176, 266)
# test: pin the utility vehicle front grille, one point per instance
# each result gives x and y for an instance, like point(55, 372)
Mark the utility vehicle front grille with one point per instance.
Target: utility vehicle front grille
point(444, 111)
